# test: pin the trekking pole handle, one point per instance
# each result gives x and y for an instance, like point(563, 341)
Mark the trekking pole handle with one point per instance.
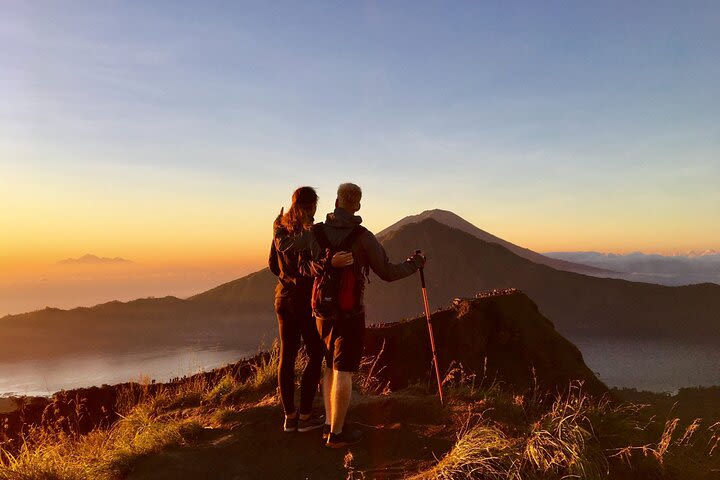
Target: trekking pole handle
point(422, 270)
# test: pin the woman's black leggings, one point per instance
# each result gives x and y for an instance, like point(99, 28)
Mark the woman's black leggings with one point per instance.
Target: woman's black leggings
point(295, 320)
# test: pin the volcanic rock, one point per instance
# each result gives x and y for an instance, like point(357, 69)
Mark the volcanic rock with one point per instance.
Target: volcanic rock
point(497, 336)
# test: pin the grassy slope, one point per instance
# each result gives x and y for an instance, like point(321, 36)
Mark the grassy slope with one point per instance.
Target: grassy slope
point(231, 429)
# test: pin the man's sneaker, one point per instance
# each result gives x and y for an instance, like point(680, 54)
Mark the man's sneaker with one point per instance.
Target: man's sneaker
point(326, 431)
point(344, 439)
point(290, 425)
point(312, 423)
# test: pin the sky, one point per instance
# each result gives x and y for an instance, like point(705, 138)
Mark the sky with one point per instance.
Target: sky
point(171, 133)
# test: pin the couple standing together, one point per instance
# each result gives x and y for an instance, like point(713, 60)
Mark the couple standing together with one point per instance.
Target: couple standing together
point(321, 271)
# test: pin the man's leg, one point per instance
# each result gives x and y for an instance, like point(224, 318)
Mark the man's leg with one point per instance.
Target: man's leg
point(340, 399)
point(324, 328)
point(348, 345)
point(327, 385)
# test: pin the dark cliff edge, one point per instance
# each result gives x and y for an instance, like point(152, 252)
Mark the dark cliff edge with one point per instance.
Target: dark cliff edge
point(499, 335)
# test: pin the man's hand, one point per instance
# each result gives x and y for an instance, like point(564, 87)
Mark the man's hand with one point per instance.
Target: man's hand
point(342, 259)
point(418, 259)
point(277, 221)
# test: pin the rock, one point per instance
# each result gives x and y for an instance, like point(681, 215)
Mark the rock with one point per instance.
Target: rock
point(500, 335)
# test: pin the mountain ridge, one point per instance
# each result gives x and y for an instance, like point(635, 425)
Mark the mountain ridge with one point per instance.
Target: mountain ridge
point(239, 314)
point(90, 259)
point(577, 303)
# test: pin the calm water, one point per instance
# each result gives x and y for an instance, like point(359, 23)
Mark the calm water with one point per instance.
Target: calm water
point(44, 377)
point(654, 366)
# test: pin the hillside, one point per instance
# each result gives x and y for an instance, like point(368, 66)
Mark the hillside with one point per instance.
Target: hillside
point(212, 319)
point(579, 305)
point(461, 264)
point(520, 403)
point(500, 334)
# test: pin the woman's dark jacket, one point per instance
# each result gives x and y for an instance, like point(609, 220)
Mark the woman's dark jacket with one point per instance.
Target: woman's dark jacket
point(285, 264)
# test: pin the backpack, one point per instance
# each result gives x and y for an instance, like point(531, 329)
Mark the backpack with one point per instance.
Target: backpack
point(337, 290)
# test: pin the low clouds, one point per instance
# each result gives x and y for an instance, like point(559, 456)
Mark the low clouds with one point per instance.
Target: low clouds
point(679, 269)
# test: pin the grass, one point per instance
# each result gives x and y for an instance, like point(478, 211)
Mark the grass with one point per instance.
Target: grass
point(101, 454)
point(501, 434)
point(173, 415)
point(556, 444)
point(572, 435)
point(223, 416)
point(263, 380)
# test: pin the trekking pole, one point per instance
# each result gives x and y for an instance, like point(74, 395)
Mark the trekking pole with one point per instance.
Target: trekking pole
point(430, 329)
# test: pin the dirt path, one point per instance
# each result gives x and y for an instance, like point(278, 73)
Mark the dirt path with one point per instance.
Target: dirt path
point(403, 433)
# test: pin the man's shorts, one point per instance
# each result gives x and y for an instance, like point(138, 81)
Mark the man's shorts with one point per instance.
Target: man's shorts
point(343, 339)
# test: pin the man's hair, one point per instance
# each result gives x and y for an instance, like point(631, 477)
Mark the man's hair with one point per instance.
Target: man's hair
point(349, 196)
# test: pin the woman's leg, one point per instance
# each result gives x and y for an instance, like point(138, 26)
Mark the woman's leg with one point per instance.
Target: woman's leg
point(289, 331)
point(313, 369)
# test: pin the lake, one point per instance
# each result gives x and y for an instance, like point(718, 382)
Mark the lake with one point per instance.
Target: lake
point(48, 376)
point(651, 365)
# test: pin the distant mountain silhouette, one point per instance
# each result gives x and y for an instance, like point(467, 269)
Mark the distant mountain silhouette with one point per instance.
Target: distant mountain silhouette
point(90, 259)
point(239, 314)
point(147, 324)
point(452, 220)
point(579, 305)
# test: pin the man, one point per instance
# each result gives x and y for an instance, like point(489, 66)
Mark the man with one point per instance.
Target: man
point(343, 332)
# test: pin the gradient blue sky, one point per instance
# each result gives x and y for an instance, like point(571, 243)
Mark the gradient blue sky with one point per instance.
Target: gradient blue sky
point(177, 129)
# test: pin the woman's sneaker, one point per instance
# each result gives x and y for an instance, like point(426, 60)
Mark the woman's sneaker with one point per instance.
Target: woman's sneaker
point(326, 432)
point(312, 423)
point(344, 439)
point(290, 425)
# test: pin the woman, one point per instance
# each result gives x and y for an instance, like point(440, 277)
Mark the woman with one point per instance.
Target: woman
point(294, 312)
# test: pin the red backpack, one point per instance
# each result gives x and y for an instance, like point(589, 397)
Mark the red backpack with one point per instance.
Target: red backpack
point(337, 290)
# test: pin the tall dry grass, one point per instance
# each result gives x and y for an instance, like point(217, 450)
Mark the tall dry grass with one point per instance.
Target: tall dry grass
point(104, 453)
point(149, 422)
point(263, 380)
point(574, 436)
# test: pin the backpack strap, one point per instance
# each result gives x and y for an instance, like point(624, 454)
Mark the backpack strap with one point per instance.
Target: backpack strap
point(347, 242)
point(352, 237)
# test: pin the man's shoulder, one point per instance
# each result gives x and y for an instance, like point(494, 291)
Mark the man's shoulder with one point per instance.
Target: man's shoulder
point(367, 237)
point(365, 230)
